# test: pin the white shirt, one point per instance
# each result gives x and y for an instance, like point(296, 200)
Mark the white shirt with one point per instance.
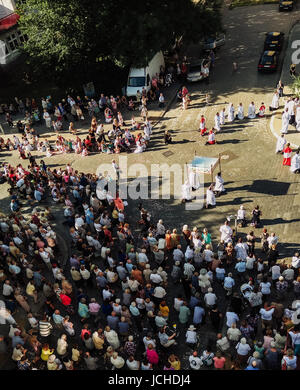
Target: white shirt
point(266, 314)
point(226, 233)
point(195, 362)
point(210, 299)
point(191, 337)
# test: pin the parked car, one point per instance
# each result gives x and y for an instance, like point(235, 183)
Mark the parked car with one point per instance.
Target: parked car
point(268, 61)
point(285, 5)
point(213, 42)
point(274, 41)
point(198, 70)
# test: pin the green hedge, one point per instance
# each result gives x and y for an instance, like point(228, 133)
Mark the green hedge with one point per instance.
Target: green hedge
point(240, 3)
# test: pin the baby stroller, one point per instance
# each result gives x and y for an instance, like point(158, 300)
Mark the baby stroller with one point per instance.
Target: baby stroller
point(168, 80)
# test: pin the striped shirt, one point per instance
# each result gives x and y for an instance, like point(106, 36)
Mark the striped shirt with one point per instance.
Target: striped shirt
point(45, 328)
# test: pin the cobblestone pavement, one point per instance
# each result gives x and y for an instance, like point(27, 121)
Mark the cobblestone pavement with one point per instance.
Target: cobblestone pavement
point(253, 173)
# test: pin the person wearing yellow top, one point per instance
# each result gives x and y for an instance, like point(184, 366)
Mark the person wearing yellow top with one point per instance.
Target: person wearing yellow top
point(31, 291)
point(46, 352)
point(174, 361)
point(164, 309)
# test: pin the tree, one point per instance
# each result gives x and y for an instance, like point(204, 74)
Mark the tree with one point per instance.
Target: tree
point(67, 38)
point(296, 86)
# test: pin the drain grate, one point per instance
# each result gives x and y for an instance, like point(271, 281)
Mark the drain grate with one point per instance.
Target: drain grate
point(168, 153)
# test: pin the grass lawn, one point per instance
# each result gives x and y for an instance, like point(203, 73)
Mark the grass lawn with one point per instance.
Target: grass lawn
point(240, 3)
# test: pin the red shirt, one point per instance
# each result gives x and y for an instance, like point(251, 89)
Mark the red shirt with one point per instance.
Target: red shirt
point(65, 300)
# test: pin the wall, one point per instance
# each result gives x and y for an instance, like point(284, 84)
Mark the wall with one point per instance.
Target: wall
point(7, 7)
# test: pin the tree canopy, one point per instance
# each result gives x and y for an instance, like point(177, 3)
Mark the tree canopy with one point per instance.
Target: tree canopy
point(73, 36)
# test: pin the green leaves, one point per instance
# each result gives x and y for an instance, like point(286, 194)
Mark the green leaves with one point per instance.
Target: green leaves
point(71, 36)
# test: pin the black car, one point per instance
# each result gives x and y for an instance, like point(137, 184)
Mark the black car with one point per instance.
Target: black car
point(268, 61)
point(274, 41)
point(286, 5)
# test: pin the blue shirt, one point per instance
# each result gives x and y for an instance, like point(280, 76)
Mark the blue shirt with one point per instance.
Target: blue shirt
point(198, 315)
point(37, 195)
point(17, 340)
point(229, 282)
point(89, 217)
point(241, 266)
point(252, 368)
point(57, 318)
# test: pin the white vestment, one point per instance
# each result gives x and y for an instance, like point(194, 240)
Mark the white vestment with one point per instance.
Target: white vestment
point(297, 118)
point(285, 122)
point(230, 113)
point(219, 184)
point(186, 191)
point(275, 101)
point(240, 113)
point(251, 111)
point(222, 117)
point(194, 181)
point(217, 122)
point(210, 197)
point(295, 163)
point(281, 141)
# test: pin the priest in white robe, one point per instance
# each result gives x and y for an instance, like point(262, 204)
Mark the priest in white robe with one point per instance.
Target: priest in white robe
point(194, 180)
point(295, 163)
point(240, 112)
point(210, 197)
point(285, 119)
point(222, 117)
point(297, 118)
point(275, 101)
point(219, 186)
point(230, 113)
point(217, 122)
point(251, 111)
point(186, 191)
point(280, 144)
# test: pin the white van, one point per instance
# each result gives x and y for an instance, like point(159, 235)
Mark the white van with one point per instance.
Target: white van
point(141, 77)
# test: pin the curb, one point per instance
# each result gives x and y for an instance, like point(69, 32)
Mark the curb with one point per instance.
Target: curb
point(274, 132)
point(171, 101)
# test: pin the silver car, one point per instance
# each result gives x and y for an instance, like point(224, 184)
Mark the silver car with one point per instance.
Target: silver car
point(198, 71)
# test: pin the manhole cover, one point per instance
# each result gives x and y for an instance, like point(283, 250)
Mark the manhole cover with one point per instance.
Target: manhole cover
point(168, 153)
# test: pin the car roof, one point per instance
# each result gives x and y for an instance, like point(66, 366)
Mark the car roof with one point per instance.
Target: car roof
point(274, 33)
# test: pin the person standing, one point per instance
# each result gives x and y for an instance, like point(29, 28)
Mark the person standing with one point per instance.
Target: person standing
point(217, 122)
point(287, 154)
point(219, 186)
point(251, 111)
point(281, 142)
point(202, 126)
point(295, 163)
point(240, 113)
point(230, 113)
point(275, 101)
point(285, 119)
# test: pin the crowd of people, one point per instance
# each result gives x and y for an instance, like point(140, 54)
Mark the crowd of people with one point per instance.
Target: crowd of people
point(134, 293)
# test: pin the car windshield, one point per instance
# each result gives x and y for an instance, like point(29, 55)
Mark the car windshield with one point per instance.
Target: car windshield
point(136, 82)
point(267, 59)
point(195, 68)
point(270, 38)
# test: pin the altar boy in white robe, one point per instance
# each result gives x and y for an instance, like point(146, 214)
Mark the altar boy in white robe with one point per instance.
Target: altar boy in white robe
point(251, 111)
